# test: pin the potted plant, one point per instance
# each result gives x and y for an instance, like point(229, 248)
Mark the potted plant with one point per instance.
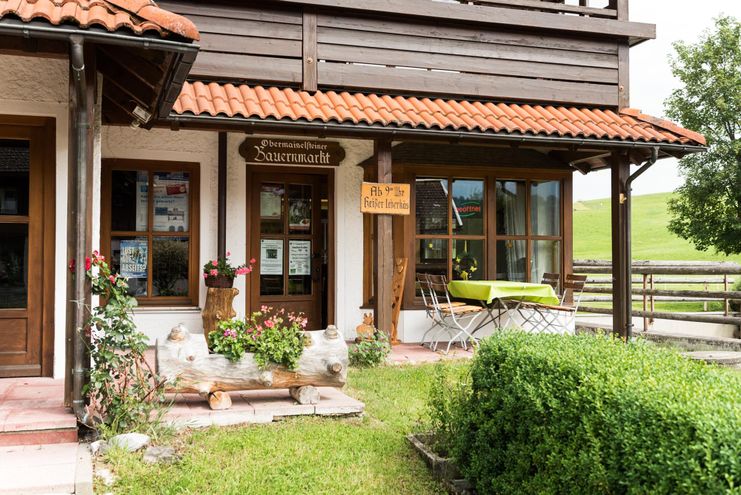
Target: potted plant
point(220, 273)
point(273, 336)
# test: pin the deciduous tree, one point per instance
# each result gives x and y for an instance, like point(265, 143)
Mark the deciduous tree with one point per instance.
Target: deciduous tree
point(707, 208)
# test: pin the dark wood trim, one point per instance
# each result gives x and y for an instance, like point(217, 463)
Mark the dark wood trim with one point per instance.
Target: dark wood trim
point(253, 283)
point(383, 245)
point(151, 166)
point(309, 52)
point(222, 192)
point(621, 295)
point(623, 76)
point(482, 14)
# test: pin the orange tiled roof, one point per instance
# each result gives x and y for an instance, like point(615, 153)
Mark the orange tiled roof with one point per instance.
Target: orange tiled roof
point(287, 104)
point(138, 16)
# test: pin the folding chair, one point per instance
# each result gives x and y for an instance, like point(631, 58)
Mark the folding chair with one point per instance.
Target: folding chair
point(552, 318)
point(423, 286)
point(527, 310)
point(453, 318)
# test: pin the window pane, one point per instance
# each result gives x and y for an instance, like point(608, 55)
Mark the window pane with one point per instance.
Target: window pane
point(545, 207)
point(299, 209)
point(511, 259)
point(170, 266)
point(15, 158)
point(170, 197)
point(13, 265)
point(271, 267)
point(432, 256)
point(271, 208)
point(129, 258)
point(511, 207)
point(469, 260)
point(431, 197)
point(129, 200)
point(468, 207)
point(546, 258)
point(299, 268)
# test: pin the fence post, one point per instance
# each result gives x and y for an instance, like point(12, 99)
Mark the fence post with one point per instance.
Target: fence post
point(645, 300)
point(726, 305)
point(653, 306)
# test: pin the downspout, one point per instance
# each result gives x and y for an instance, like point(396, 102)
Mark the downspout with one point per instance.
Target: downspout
point(629, 249)
point(80, 360)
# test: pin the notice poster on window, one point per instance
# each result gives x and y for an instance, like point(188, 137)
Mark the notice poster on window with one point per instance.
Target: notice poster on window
point(133, 258)
point(142, 198)
point(271, 203)
point(171, 202)
point(299, 258)
point(271, 257)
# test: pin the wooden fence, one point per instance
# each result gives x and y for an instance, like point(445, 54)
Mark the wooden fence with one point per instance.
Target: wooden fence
point(715, 278)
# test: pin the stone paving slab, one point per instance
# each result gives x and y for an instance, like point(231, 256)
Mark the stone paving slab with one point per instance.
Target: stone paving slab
point(257, 406)
point(418, 354)
point(44, 469)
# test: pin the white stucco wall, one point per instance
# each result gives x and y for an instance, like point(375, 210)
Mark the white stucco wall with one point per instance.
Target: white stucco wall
point(39, 87)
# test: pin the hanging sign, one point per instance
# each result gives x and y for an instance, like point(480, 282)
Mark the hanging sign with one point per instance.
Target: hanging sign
point(269, 151)
point(385, 199)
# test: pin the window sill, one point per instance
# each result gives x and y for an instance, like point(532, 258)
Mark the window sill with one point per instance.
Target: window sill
point(166, 309)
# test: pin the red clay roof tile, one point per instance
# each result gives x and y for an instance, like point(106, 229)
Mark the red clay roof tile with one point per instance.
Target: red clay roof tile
point(138, 16)
point(246, 101)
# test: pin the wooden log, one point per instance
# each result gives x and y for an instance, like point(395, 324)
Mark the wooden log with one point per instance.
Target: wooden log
point(218, 308)
point(219, 400)
point(305, 395)
point(185, 364)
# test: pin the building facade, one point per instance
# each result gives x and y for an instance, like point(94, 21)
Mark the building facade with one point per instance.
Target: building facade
point(190, 131)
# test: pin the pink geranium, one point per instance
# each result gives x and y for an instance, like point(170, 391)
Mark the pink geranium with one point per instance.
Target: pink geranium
point(214, 272)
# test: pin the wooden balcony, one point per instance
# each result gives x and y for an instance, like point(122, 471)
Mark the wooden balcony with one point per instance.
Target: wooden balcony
point(604, 9)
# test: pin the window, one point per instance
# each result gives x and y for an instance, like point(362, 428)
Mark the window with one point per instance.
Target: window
point(528, 244)
point(454, 229)
point(150, 228)
point(450, 235)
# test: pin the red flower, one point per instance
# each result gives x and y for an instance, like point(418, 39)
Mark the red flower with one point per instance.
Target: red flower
point(112, 279)
point(253, 261)
point(72, 265)
point(88, 263)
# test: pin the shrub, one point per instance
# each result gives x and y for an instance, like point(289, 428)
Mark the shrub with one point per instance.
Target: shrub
point(124, 393)
point(585, 414)
point(369, 353)
point(448, 395)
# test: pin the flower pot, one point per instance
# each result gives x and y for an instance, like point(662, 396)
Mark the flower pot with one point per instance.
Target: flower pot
point(220, 282)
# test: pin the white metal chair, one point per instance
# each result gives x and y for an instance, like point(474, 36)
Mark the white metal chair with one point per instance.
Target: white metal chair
point(422, 285)
point(453, 318)
point(560, 317)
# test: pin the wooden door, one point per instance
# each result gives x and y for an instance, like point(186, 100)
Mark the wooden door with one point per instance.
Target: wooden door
point(21, 251)
point(288, 243)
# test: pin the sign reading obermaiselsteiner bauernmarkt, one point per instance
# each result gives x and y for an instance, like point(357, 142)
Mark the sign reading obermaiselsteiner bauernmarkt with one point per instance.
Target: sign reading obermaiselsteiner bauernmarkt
point(270, 151)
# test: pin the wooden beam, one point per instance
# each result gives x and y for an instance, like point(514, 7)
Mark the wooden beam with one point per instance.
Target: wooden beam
point(309, 52)
point(621, 297)
point(221, 200)
point(489, 15)
point(383, 244)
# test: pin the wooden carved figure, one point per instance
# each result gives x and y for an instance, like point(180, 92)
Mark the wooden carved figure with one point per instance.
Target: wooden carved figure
point(366, 330)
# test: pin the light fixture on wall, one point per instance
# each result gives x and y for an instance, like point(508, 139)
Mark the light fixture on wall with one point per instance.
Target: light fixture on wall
point(141, 116)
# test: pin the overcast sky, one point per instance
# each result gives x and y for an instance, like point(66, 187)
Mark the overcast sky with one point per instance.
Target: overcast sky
point(651, 80)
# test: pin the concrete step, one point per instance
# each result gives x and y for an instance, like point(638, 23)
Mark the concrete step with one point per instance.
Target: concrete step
point(46, 469)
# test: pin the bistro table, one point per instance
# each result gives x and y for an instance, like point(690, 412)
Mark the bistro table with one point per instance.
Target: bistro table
point(489, 292)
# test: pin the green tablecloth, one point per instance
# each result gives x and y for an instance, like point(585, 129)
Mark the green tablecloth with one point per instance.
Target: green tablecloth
point(488, 290)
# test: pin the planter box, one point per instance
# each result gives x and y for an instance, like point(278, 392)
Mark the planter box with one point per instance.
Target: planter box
point(443, 469)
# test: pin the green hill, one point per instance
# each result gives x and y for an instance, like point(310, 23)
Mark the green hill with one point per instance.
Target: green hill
point(651, 239)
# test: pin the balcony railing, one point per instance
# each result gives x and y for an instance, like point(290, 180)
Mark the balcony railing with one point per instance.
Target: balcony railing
point(607, 9)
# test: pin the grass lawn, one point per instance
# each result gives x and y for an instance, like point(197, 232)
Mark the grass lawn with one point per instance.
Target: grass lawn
point(651, 238)
point(311, 455)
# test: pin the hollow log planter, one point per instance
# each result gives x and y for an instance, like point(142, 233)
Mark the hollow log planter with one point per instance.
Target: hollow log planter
point(185, 364)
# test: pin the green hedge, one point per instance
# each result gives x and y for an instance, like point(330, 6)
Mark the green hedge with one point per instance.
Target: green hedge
point(591, 415)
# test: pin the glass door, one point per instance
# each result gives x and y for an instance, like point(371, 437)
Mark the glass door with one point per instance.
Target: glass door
point(288, 243)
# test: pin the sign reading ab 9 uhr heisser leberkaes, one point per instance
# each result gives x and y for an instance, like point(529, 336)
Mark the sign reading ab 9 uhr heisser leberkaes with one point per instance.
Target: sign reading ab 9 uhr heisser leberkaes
point(271, 151)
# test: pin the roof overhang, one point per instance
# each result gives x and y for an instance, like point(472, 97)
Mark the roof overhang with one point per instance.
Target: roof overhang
point(169, 59)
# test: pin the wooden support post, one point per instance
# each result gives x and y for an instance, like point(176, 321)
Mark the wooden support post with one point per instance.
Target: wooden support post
point(383, 245)
point(621, 285)
point(221, 199)
point(309, 47)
